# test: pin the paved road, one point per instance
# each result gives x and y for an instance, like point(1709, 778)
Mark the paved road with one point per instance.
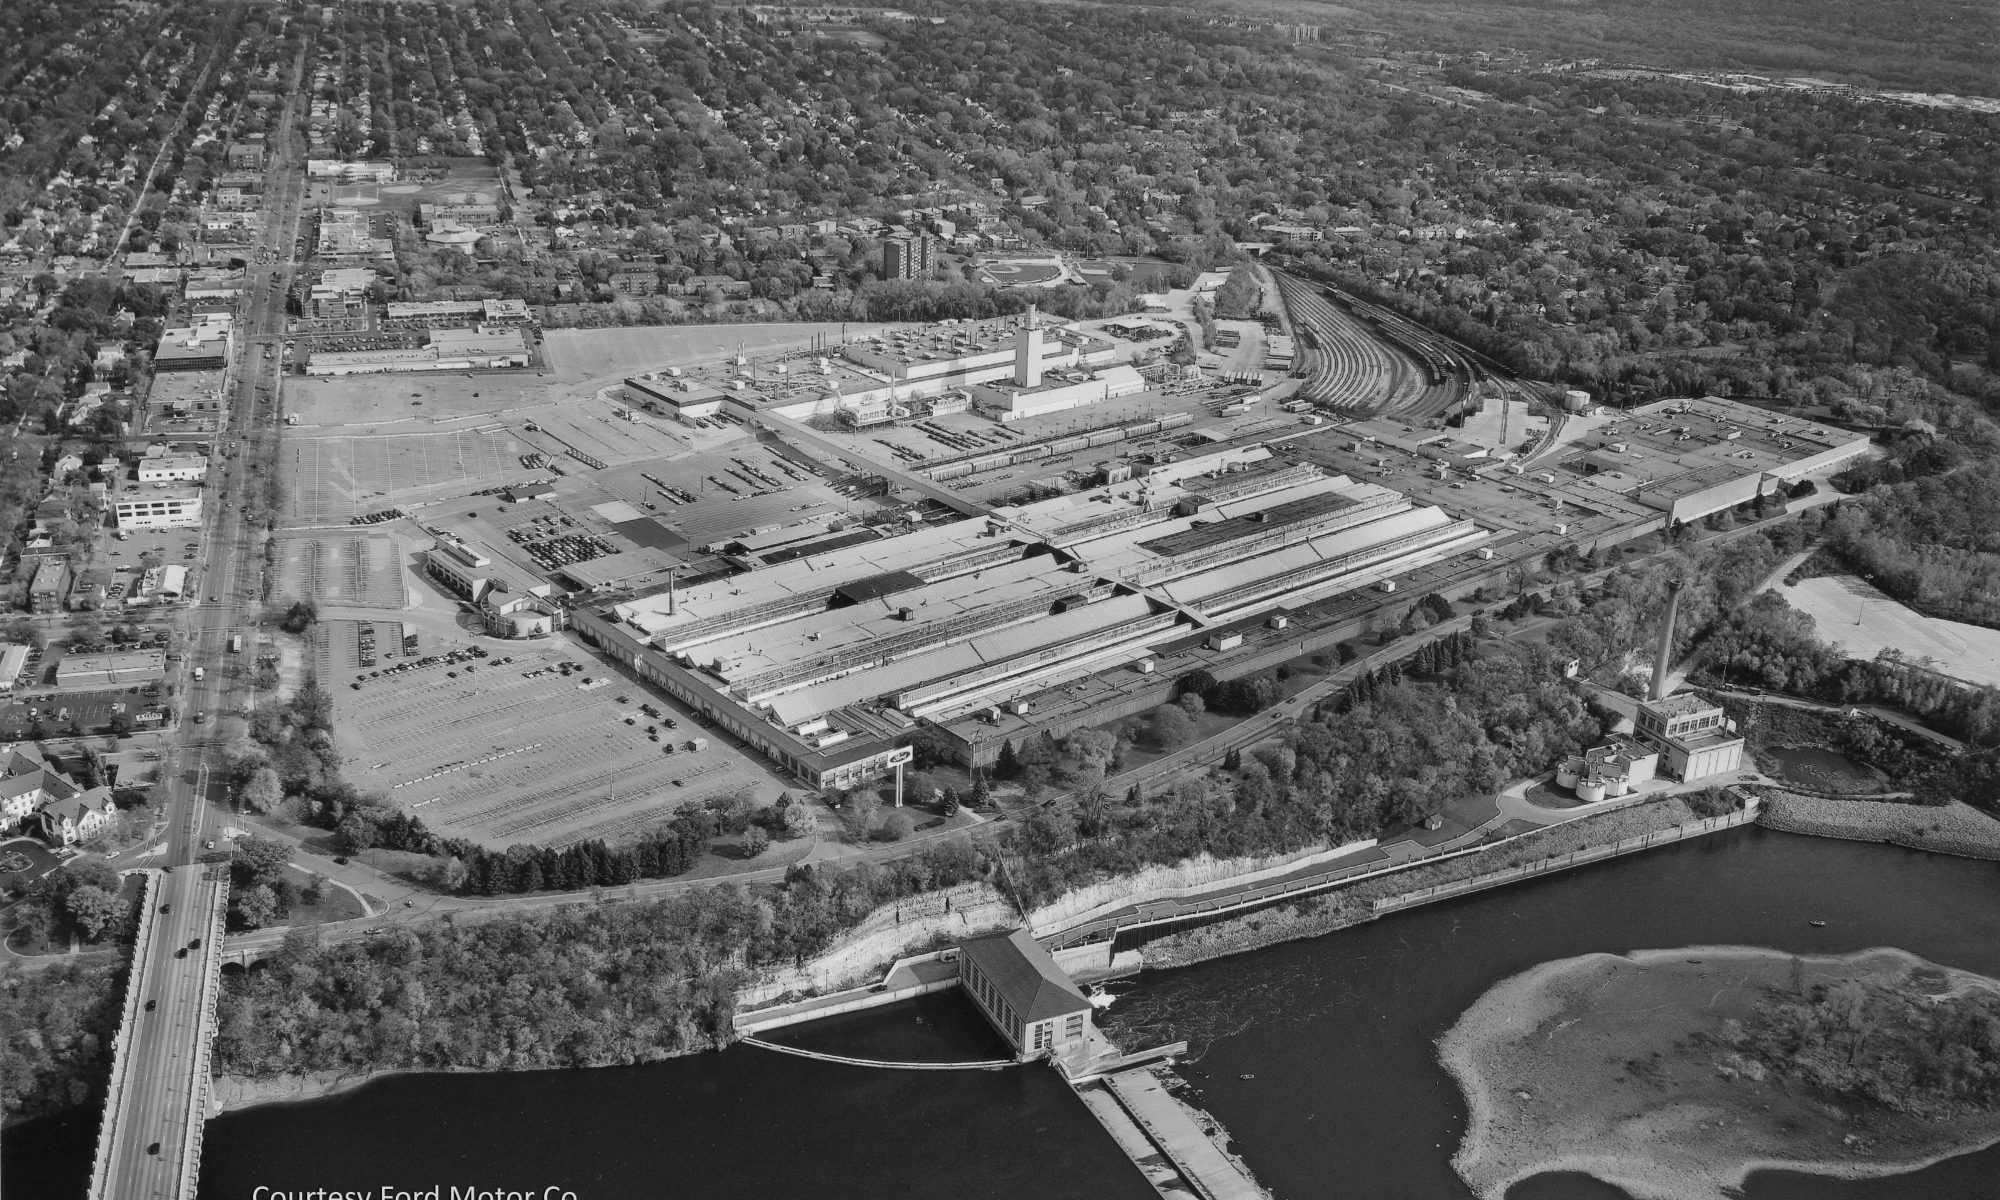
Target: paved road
point(151, 1139)
point(151, 1143)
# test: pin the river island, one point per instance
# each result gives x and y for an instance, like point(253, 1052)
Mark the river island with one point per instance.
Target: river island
point(1673, 1074)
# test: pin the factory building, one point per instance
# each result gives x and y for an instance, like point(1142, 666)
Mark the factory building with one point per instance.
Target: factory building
point(672, 396)
point(1691, 458)
point(1695, 740)
point(851, 647)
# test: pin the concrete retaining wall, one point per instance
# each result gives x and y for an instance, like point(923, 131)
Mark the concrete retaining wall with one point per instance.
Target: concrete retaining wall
point(1178, 882)
point(1575, 858)
point(885, 935)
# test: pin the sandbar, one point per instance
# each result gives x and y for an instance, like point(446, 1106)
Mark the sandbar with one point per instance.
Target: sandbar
point(1621, 1067)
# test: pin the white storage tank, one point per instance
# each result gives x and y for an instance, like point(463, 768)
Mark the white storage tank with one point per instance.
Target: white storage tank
point(1590, 791)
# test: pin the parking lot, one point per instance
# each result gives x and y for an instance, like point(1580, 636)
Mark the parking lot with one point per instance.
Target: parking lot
point(514, 748)
point(360, 570)
point(57, 713)
point(336, 478)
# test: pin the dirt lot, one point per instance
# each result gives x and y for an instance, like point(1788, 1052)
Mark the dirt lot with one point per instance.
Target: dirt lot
point(516, 751)
point(1861, 620)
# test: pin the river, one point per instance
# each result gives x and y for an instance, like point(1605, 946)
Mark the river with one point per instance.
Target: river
point(1345, 1099)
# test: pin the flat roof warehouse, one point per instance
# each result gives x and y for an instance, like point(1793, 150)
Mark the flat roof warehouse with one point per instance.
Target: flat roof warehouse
point(804, 658)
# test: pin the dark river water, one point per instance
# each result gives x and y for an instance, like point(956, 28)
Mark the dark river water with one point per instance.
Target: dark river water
point(1346, 1100)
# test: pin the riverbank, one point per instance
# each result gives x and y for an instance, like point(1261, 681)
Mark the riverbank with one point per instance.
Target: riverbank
point(1955, 828)
point(1648, 1087)
point(1353, 904)
point(232, 1093)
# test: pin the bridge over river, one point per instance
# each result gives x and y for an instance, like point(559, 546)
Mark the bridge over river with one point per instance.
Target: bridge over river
point(149, 1145)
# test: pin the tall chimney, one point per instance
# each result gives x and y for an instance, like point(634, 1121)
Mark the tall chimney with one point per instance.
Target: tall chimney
point(1028, 352)
point(1663, 661)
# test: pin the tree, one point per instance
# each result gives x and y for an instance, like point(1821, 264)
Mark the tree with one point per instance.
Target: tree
point(1008, 765)
point(94, 911)
point(300, 617)
point(355, 833)
point(756, 841)
point(798, 819)
point(1171, 727)
point(263, 792)
point(895, 827)
point(1198, 682)
point(255, 907)
point(860, 809)
point(260, 860)
point(949, 807)
point(1193, 705)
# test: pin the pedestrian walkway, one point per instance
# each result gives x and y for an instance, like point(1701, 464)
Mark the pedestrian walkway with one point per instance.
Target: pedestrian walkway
point(1169, 1125)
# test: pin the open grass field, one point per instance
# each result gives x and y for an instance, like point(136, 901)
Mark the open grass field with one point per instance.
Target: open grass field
point(515, 751)
point(1861, 621)
point(1006, 272)
point(334, 478)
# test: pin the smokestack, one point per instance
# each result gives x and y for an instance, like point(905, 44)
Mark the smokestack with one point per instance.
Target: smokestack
point(670, 591)
point(1663, 662)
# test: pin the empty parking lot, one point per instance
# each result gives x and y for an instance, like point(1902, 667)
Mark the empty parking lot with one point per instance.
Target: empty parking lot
point(505, 752)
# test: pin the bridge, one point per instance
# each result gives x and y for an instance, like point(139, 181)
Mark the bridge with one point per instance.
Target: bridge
point(149, 1145)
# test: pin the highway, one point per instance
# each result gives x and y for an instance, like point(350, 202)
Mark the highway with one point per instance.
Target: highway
point(149, 1144)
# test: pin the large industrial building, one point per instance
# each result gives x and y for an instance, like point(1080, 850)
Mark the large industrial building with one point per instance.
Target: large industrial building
point(827, 660)
point(1691, 458)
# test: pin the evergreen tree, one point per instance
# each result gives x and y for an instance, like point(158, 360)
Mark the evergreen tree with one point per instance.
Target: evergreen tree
point(1008, 765)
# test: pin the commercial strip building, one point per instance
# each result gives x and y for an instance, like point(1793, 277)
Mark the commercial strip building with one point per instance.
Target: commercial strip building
point(483, 348)
point(13, 661)
point(440, 314)
point(169, 468)
point(202, 347)
point(121, 669)
point(48, 586)
point(159, 510)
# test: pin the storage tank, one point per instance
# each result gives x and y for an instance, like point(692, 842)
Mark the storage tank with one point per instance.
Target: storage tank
point(1575, 400)
point(1566, 775)
point(1616, 786)
point(1590, 791)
